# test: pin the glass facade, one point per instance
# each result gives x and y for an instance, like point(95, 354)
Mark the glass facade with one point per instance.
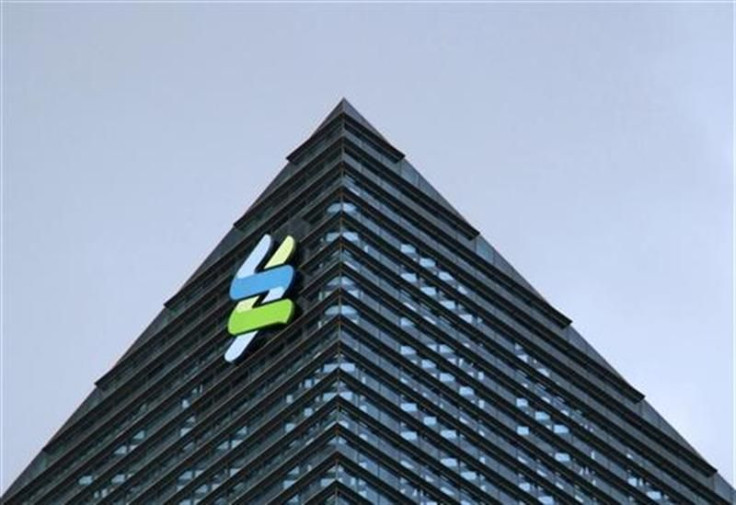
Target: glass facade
point(420, 368)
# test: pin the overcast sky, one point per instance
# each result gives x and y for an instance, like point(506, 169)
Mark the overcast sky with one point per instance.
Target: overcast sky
point(590, 143)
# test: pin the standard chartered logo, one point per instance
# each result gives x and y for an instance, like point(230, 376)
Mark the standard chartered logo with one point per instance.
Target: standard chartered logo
point(251, 283)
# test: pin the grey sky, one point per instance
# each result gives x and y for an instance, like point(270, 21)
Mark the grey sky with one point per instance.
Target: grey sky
point(591, 144)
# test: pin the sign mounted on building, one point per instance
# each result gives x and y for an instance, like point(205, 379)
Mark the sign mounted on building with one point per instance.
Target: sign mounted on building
point(249, 285)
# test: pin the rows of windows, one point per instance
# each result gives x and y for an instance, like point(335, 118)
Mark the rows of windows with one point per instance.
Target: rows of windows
point(199, 294)
point(170, 426)
point(295, 193)
point(371, 464)
point(504, 312)
point(189, 473)
point(439, 272)
point(212, 294)
point(151, 407)
point(470, 460)
point(474, 468)
point(427, 260)
point(274, 470)
point(167, 440)
point(369, 492)
point(436, 243)
point(162, 416)
point(540, 415)
point(432, 289)
point(307, 490)
point(434, 467)
point(355, 483)
point(246, 471)
point(428, 288)
point(161, 380)
point(506, 318)
point(613, 437)
point(154, 402)
point(158, 372)
point(417, 204)
point(546, 479)
point(224, 450)
point(196, 331)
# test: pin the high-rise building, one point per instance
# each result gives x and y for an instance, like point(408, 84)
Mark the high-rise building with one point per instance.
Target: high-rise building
point(354, 340)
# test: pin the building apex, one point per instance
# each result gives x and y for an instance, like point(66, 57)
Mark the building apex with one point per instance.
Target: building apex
point(346, 108)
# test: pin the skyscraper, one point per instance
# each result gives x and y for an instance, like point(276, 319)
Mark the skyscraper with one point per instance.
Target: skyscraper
point(353, 339)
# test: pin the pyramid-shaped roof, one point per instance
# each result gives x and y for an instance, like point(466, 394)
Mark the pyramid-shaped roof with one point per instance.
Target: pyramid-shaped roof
point(344, 107)
point(414, 340)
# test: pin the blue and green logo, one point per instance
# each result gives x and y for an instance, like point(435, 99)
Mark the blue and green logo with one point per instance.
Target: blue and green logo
point(260, 293)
